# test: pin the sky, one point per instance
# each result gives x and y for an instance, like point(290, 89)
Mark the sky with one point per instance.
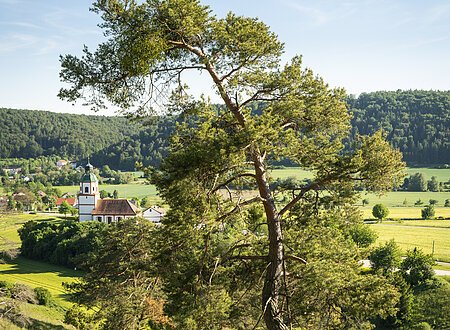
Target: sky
point(360, 45)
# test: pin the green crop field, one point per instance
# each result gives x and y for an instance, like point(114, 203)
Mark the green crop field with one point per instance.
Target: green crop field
point(397, 198)
point(136, 189)
point(421, 234)
point(405, 212)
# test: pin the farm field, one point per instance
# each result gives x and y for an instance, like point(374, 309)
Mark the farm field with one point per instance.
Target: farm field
point(137, 189)
point(405, 212)
point(396, 198)
point(420, 234)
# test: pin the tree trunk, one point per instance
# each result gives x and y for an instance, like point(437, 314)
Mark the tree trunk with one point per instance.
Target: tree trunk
point(274, 272)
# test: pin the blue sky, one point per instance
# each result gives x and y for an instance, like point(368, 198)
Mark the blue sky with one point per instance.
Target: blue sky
point(361, 45)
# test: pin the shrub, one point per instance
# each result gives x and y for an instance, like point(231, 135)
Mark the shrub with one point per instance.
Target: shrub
point(428, 212)
point(43, 296)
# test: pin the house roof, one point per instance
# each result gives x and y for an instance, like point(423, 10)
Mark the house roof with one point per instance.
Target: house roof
point(156, 209)
point(115, 207)
point(71, 201)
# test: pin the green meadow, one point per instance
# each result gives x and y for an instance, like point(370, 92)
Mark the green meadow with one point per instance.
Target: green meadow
point(420, 234)
point(34, 274)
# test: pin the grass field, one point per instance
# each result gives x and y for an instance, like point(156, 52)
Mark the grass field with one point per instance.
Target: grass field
point(421, 234)
point(406, 212)
point(34, 274)
point(136, 189)
point(39, 274)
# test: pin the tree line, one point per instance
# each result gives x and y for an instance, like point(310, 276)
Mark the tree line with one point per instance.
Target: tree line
point(414, 121)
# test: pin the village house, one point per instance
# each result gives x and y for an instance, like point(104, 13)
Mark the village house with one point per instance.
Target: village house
point(154, 214)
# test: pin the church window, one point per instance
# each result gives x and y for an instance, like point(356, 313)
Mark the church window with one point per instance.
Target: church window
point(109, 220)
point(99, 219)
point(86, 189)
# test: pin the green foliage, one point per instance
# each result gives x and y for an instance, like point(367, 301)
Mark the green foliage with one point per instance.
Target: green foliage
point(61, 243)
point(433, 307)
point(417, 268)
point(428, 212)
point(385, 257)
point(363, 235)
point(414, 120)
point(79, 318)
point(433, 184)
point(40, 134)
point(380, 211)
point(43, 296)
point(122, 266)
point(65, 208)
point(225, 255)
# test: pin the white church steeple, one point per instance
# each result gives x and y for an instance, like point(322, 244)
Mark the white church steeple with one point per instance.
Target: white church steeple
point(89, 194)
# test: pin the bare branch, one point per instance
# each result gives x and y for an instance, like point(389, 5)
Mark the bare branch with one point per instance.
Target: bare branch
point(224, 184)
point(292, 257)
point(238, 207)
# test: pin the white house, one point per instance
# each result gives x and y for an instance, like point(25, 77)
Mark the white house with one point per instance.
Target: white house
point(154, 214)
point(92, 207)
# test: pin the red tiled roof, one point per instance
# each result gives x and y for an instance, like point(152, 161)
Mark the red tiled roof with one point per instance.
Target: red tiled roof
point(115, 207)
point(71, 201)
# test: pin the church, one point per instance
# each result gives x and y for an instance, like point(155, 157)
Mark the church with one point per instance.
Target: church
point(92, 207)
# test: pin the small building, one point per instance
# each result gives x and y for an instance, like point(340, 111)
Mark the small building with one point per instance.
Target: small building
point(154, 214)
point(71, 201)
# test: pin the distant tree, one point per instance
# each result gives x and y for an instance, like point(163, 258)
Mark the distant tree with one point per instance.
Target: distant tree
point(363, 235)
point(417, 267)
point(386, 257)
point(380, 211)
point(65, 208)
point(447, 203)
point(104, 194)
point(418, 202)
point(11, 203)
point(115, 194)
point(433, 184)
point(428, 212)
point(417, 182)
point(49, 201)
point(405, 202)
point(433, 201)
point(365, 202)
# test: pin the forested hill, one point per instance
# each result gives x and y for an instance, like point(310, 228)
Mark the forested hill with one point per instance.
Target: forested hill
point(416, 122)
point(116, 141)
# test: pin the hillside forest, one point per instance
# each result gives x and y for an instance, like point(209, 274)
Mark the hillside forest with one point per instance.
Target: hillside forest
point(414, 121)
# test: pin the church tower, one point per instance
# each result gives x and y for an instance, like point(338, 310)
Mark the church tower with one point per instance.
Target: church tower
point(88, 195)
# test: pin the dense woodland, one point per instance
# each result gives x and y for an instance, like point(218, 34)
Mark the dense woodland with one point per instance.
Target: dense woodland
point(416, 122)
